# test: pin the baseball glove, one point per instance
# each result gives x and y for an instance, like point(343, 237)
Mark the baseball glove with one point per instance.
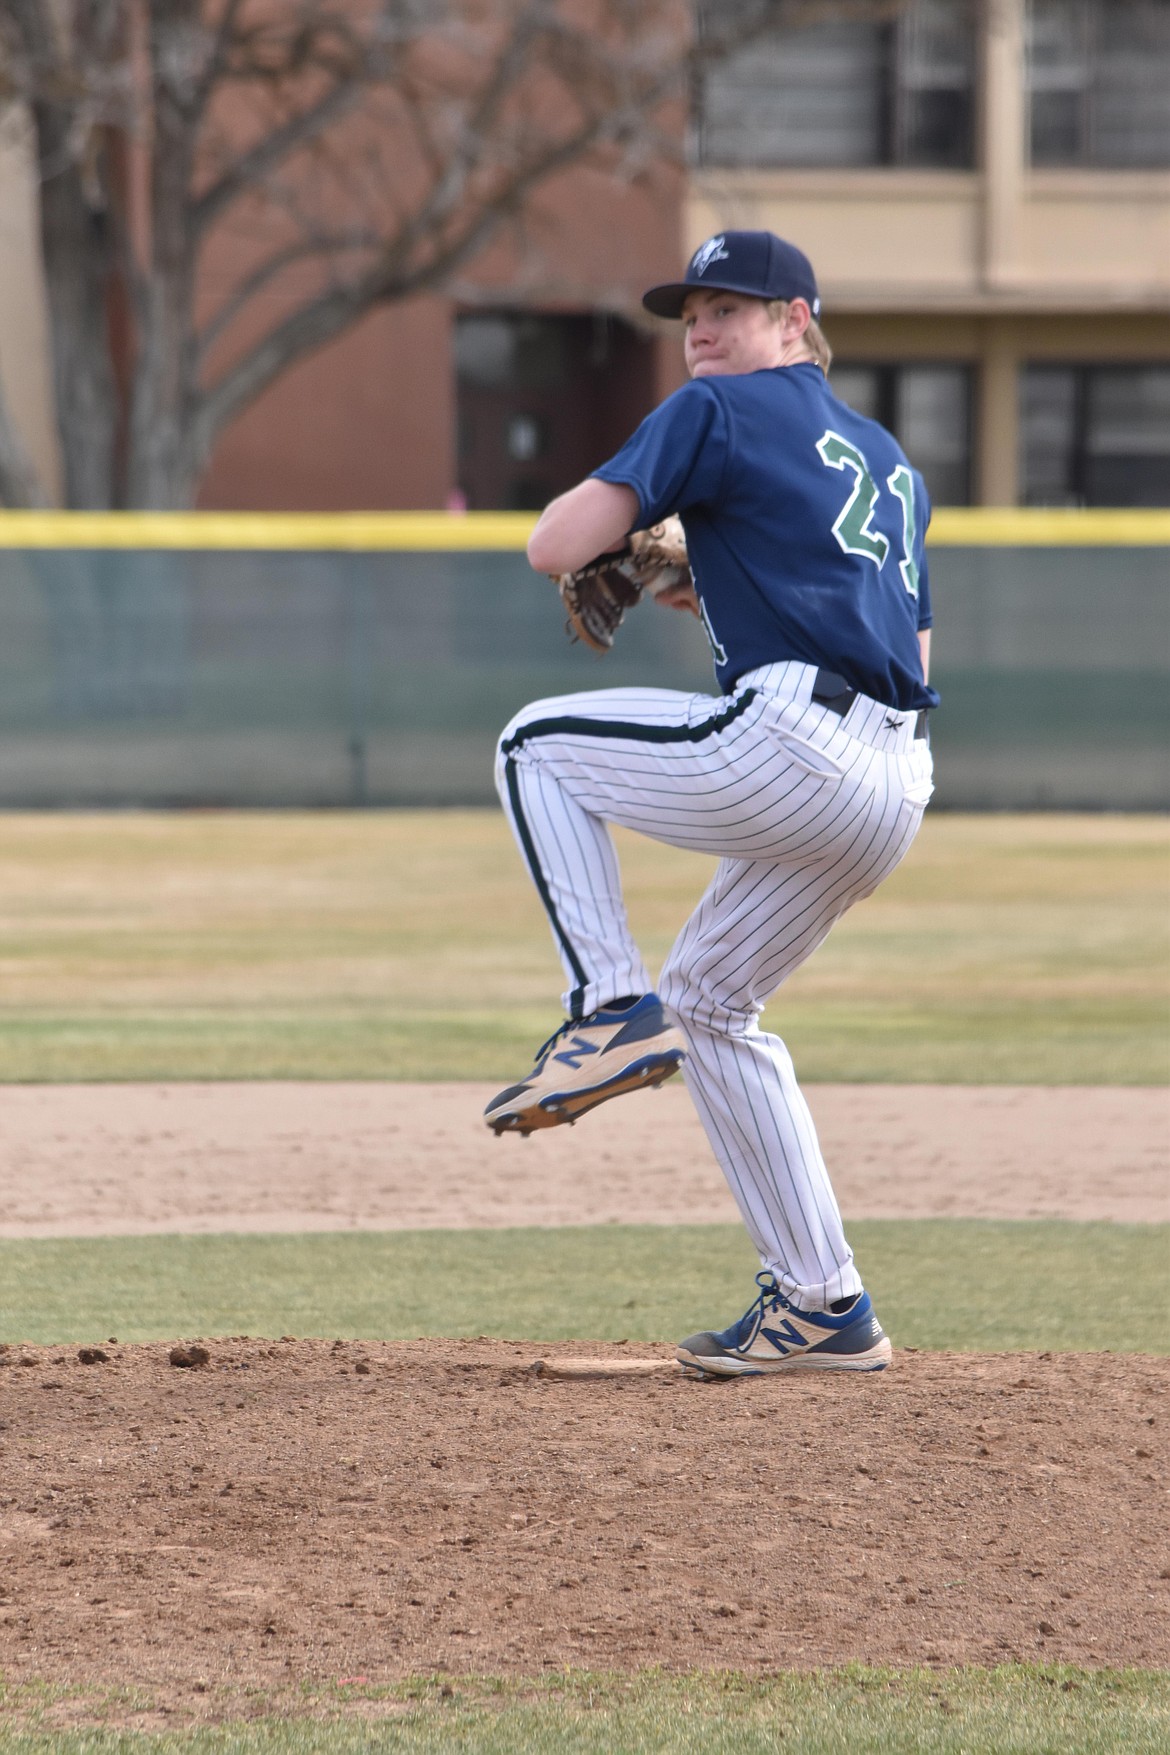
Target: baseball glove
point(597, 595)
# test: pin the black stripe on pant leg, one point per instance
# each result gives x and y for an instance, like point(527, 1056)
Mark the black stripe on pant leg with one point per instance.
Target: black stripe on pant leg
point(579, 727)
point(605, 728)
point(577, 998)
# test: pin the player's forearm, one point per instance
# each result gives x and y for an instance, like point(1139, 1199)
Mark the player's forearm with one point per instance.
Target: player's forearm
point(924, 650)
point(573, 529)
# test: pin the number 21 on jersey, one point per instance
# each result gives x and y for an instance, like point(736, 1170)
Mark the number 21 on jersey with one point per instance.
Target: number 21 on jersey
point(852, 528)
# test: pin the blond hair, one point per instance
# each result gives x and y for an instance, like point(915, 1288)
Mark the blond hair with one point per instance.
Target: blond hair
point(814, 336)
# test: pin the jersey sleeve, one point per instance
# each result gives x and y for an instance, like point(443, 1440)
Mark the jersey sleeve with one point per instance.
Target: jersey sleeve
point(677, 457)
point(925, 612)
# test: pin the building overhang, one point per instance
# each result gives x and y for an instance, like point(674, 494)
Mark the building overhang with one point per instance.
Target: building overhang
point(955, 241)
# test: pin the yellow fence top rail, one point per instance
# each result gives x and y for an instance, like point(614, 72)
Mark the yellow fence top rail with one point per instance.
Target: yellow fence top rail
point(955, 527)
point(267, 530)
point(1006, 527)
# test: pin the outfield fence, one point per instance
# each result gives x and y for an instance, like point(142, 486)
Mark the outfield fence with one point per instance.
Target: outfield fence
point(230, 660)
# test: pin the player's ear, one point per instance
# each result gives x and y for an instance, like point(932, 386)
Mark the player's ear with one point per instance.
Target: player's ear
point(797, 318)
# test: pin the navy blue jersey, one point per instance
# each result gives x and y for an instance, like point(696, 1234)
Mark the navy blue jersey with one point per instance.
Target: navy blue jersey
point(804, 522)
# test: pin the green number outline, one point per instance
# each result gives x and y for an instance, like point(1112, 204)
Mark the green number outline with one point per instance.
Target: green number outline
point(901, 483)
point(852, 526)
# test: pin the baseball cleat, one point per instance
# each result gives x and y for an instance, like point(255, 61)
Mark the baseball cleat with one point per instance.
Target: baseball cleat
point(773, 1335)
point(588, 1061)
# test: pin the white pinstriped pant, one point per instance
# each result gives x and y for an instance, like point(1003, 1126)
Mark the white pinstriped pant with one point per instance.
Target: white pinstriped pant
point(808, 812)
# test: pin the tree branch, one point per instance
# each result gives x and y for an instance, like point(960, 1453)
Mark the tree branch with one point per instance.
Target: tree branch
point(311, 248)
point(216, 61)
point(326, 44)
point(252, 167)
point(323, 318)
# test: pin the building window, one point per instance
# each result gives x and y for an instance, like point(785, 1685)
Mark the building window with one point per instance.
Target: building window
point(1095, 436)
point(928, 409)
point(1099, 82)
point(541, 399)
point(843, 92)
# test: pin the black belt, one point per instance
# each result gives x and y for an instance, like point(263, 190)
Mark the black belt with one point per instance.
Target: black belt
point(832, 691)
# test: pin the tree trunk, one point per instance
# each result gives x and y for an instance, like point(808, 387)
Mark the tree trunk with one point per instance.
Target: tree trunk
point(162, 469)
point(19, 484)
point(74, 239)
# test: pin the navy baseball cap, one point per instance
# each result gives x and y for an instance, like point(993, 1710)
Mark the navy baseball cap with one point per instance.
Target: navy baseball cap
point(757, 263)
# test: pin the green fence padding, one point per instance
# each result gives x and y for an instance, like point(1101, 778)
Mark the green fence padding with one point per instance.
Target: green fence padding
point(169, 677)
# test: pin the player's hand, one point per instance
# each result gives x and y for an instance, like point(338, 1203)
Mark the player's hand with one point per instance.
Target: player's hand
point(679, 596)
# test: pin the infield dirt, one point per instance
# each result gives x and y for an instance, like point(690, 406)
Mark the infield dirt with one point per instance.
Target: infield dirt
point(307, 1513)
point(349, 1511)
point(88, 1160)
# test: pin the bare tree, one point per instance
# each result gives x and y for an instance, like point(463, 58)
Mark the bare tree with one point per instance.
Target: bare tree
point(357, 152)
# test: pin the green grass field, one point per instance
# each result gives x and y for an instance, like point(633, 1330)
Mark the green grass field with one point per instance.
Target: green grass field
point(1014, 1710)
point(958, 1285)
point(408, 945)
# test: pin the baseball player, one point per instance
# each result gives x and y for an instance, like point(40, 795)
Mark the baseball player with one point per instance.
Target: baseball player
point(808, 775)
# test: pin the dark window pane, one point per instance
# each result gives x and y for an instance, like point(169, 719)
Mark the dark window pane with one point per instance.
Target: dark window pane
point(840, 92)
point(498, 349)
point(933, 426)
point(1058, 127)
point(806, 97)
point(1127, 437)
point(1095, 435)
point(1098, 75)
point(1048, 427)
point(1058, 77)
point(938, 130)
point(485, 350)
point(935, 75)
point(1131, 97)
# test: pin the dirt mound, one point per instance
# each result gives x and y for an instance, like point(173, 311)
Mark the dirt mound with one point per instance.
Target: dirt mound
point(302, 1509)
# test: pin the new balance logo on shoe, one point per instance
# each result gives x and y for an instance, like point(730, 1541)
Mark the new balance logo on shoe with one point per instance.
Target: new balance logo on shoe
point(785, 1338)
point(572, 1056)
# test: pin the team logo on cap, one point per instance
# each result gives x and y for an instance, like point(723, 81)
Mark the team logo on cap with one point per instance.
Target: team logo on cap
point(714, 250)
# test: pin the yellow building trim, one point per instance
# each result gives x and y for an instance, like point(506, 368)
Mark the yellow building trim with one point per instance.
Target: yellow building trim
point(952, 527)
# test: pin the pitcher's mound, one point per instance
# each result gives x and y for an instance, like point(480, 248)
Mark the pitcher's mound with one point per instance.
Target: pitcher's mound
point(307, 1509)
